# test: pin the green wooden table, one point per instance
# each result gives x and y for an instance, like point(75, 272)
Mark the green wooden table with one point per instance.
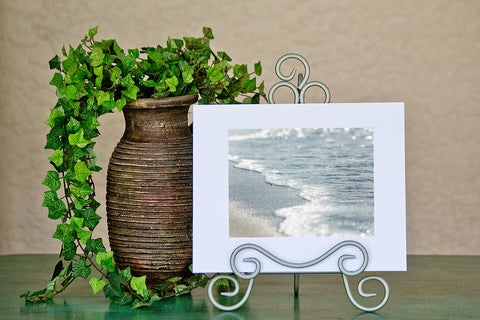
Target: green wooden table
point(434, 287)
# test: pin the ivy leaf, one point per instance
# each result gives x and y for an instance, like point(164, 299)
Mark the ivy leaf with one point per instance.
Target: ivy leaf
point(172, 83)
point(131, 92)
point(138, 284)
point(105, 260)
point(75, 107)
point(57, 81)
point(102, 96)
point(64, 233)
point(71, 72)
point(92, 123)
point(127, 81)
point(69, 251)
point(92, 31)
point(258, 68)
point(76, 223)
point(146, 293)
point(77, 139)
point(216, 75)
point(115, 75)
point(249, 84)
point(247, 100)
point(75, 92)
point(69, 176)
point(170, 57)
point(187, 76)
point(54, 63)
point(224, 65)
point(91, 218)
point(154, 298)
point(113, 293)
point(224, 56)
point(155, 56)
point(49, 197)
point(126, 299)
point(80, 269)
point(174, 70)
point(57, 157)
point(52, 180)
point(58, 269)
point(81, 191)
point(67, 63)
point(54, 114)
point(181, 289)
point(138, 304)
point(91, 161)
point(96, 284)
point(240, 70)
point(53, 142)
point(261, 88)
point(109, 105)
point(50, 288)
point(135, 53)
point(56, 209)
point(174, 43)
point(126, 274)
point(187, 71)
point(120, 103)
point(84, 235)
point(115, 280)
point(81, 171)
point(98, 71)
point(183, 65)
point(80, 75)
point(79, 204)
point(71, 92)
point(95, 245)
point(128, 63)
point(174, 279)
point(97, 56)
point(207, 33)
point(73, 124)
point(77, 154)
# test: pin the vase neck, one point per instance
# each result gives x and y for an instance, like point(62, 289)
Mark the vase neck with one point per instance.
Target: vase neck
point(150, 123)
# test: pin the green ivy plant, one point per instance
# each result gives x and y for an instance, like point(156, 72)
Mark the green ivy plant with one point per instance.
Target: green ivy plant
point(93, 79)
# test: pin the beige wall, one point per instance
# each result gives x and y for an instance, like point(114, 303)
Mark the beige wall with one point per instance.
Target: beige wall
point(425, 53)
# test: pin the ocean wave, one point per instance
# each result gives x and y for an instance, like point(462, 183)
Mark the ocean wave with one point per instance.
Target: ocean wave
point(274, 177)
point(300, 133)
point(248, 164)
point(271, 176)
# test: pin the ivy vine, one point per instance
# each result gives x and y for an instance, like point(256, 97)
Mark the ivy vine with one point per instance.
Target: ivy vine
point(91, 80)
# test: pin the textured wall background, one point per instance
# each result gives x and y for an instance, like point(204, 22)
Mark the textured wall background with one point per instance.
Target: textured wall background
point(425, 53)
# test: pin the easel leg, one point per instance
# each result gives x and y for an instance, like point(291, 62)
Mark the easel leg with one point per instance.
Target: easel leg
point(296, 283)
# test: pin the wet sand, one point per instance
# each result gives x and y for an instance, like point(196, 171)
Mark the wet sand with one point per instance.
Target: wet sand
point(251, 199)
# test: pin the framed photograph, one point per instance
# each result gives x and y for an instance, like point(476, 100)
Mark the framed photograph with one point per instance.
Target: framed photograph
point(297, 179)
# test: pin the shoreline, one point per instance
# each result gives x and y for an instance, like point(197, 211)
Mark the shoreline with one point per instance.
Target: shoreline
point(253, 203)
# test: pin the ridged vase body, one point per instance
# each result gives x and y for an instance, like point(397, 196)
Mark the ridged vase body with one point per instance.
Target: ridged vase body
point(149, 190)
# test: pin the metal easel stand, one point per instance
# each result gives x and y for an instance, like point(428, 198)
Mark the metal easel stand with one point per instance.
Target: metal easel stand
point(299, 96)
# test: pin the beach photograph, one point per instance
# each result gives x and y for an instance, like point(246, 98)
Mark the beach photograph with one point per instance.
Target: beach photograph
point(301, 182)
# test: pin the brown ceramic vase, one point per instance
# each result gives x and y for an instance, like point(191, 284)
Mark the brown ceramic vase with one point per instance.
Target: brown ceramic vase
point(149, 190)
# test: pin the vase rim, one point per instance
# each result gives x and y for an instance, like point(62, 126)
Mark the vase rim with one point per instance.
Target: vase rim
point(169, 102)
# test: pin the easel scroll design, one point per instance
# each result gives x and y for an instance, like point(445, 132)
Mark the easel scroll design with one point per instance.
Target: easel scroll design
point(234, 261)
point(303, 85)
